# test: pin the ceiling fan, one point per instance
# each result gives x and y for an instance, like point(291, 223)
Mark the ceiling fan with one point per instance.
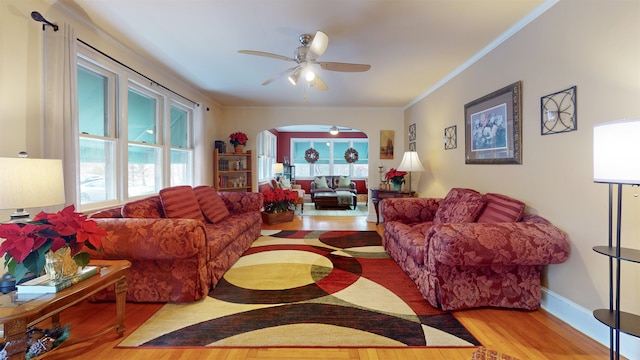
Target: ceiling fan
point(305, 57)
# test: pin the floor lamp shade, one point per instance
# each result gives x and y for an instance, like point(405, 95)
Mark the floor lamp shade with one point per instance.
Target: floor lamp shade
point(616, 152)
point(30, 183)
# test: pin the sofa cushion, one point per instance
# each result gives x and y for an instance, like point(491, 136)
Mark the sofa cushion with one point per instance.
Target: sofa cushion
point(148, 208)
point(501, 208)
point(285, 183)
point(115, 212)
point(344, 182)
point(321, 182)
point(211, 204)
point(459, 206)
point(179, 202)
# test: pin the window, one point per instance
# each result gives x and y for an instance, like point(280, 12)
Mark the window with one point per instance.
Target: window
point(123, 157)
point(181, 160)
point(331, 159)
point(267, 146)
point(144, 154)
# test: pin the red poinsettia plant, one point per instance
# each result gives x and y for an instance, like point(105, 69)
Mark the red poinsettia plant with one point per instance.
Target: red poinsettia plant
point(238, 138)
point(27, 243)
point(395, 176)
point(279, 200)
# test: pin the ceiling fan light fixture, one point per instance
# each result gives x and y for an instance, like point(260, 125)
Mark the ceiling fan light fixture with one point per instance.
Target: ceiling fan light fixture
point(334, 130)
point(310, 75)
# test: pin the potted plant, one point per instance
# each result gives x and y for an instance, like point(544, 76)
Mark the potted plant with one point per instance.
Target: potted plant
point(52, 241)
point(238, 140)
point(396, 177)
point(278, 206)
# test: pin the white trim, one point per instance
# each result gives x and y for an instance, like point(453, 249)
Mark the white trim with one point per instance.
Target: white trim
point(487, 49)
point(582, 320)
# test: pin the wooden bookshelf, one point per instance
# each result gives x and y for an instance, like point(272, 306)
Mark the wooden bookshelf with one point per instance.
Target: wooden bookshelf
point(232, 171)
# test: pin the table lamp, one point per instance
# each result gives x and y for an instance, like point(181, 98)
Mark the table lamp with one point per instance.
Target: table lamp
point(410, 162)
point(277, 168)
point(30, 183)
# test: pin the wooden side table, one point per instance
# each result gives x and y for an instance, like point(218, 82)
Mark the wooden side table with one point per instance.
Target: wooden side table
point(379, 194)
point(17, 316)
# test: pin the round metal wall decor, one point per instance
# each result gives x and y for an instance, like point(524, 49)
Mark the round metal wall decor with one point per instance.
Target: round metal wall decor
point(351, 155)
point(311, 155)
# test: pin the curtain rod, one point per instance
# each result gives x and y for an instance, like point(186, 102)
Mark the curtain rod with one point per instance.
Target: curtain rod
point(136, 71)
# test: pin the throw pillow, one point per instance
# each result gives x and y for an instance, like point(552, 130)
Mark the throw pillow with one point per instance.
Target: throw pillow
point(501, 208)
point(459, 206)
point(321, 182)
point(285, 183)
point(344, 182)
point(212, 205)
point(179, 202)
point(149, 208)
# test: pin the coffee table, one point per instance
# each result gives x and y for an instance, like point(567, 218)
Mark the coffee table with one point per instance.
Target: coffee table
point(16, 316)
point(330, 199)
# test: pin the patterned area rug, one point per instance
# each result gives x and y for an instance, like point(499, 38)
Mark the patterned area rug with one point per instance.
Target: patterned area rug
point(307, 289)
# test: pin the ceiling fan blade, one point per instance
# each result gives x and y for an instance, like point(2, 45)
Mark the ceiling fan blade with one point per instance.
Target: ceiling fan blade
point(280, 74)
point(266, 54)
point(318, 45)
point(345, 67)
point(318, 83)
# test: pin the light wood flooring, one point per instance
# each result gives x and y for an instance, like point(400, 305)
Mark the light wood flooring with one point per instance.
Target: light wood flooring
point(522, 334)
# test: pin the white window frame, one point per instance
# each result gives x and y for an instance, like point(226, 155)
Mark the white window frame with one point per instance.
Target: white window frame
point(120, 80)
point(331, 153)
point(267, 149)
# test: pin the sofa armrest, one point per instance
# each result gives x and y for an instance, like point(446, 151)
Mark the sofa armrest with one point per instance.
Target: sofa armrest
point(482, 244)
point(239, 202)
point(409, 210)
point(151, 239)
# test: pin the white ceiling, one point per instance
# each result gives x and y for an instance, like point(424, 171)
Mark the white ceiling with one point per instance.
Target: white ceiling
point(411, 45)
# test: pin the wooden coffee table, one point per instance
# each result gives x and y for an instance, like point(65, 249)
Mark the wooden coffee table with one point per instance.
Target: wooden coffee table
point(330, 199)
point(17, 316)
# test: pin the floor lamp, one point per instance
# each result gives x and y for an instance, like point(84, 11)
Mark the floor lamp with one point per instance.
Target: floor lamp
point(616, 161)
point(410, 162)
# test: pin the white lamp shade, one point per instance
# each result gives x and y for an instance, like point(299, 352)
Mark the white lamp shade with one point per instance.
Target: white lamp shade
point(278, 168)
point(30, 183)
point(410, 162)
point(616, 152)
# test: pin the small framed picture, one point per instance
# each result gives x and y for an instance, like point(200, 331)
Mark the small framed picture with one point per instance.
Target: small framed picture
point(450, 137)
point(558, 112)
point(412, 132)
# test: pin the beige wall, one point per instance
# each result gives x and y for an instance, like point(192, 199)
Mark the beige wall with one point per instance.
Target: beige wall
point(594, 45)
point(368, 120)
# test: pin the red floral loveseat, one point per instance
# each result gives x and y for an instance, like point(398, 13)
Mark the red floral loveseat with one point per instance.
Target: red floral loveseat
point(471, 250)
point(179, 242)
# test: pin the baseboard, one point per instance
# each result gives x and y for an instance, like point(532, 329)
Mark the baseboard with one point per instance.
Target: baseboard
point(582, 320)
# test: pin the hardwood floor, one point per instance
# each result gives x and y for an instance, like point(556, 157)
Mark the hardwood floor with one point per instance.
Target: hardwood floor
point(522, 334)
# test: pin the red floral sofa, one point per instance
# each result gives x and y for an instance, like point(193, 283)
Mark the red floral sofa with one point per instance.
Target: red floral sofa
point(179, 242)
point(472, 250)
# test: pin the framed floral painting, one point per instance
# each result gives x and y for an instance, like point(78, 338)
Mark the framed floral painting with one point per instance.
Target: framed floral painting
point(493, 126)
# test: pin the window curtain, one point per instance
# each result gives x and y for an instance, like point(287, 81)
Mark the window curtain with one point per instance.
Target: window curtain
point(203, 150)
point(60, 103)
